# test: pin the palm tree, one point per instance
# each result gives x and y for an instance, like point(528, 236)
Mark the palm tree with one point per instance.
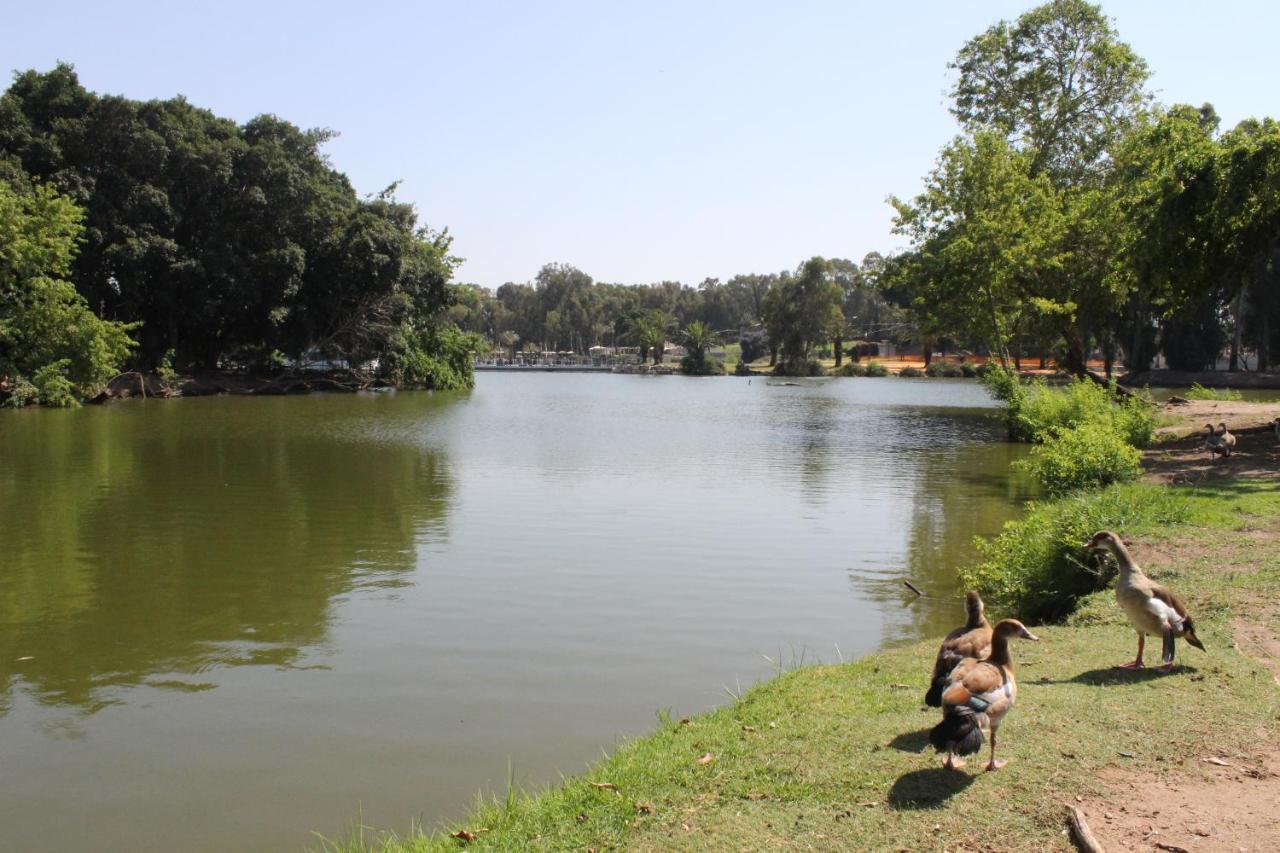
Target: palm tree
point(698, 338)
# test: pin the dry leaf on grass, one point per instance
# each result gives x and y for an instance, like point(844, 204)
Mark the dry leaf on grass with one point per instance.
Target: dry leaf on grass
point(707, 758)
point(604, 786)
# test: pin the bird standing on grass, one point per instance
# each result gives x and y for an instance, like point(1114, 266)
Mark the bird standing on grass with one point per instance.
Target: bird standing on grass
point(1151, 608)
point(972, 640)
point(977, 696)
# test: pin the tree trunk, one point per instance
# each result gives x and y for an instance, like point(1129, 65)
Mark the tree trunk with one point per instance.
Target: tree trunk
point(839, 350)
point(1237, 333)
point(773, 356)
point(928, 351)
point(1043, 362)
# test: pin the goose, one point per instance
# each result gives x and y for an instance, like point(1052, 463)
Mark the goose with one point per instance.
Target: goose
point(1228, 440)
point(977, 696)
point(972, 640)
point(1151, 608)
point(1213, 442)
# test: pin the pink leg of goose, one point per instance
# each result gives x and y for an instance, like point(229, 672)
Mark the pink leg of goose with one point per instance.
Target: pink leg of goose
point(1137, 664)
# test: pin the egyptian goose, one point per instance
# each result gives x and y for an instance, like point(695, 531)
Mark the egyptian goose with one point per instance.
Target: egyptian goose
point(1151, 608)
point(1228, 440)
point(977, 696)
point(1214, 443)
point(972, 640)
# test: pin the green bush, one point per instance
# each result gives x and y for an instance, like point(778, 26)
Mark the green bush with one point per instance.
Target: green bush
point(1036, 568)
point(911, 372)
point(968, 370)
point(875, 368)
point(1199, 392)
point(741, 369)
point(53, 386)
point(1037, 412)
point(1084, 457)
point(944, 369)
point(437, 356)
point(691, 365)
point(852, 368)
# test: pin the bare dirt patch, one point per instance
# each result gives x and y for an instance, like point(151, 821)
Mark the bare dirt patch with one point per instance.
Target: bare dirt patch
point(1239, 415)
point(1260, 643)
point(1185, 460)
point(1227, 803)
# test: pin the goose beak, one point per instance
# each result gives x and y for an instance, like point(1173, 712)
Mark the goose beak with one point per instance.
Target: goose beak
point(1027, 635)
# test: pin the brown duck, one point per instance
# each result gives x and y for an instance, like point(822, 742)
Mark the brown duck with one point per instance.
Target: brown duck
point(971, 640)
point(1151, 608)
point(977, 696)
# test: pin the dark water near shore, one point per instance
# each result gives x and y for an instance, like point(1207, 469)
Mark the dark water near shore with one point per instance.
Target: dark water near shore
point(228, 622)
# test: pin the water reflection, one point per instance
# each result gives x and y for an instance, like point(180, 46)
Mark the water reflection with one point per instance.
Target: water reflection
point(175, 538)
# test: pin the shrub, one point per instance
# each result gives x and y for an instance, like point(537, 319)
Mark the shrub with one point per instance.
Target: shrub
point(852, 368)
point(1036, 568)
point(741, 369)
point(692, 365)
point(968, 370)
point(1087, 456)
point(944, 369)
point(875, 368)
point(802, 368)
point(1199, 392)
point(53, 386)
point(1036, 412)
point(911, 372)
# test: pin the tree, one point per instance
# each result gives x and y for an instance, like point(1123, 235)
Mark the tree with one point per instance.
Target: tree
point(802, 311)
point(1057, 83)
point(52, 346)
point(986, 234)
point(698, 338)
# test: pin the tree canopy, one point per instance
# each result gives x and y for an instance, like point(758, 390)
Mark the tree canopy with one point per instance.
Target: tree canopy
point(232, 245)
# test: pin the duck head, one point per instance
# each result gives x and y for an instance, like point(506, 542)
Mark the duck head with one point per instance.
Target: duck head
point(1104, 540)
point(1209, 429)
point(973, 604)
point(1010, 628)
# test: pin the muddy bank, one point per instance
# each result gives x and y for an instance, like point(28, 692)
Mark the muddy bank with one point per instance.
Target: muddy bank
point(143, 385)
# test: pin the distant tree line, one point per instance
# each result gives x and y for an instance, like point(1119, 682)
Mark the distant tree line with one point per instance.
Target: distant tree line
point(205, 244)
point(1073, 215)
point(823, 304)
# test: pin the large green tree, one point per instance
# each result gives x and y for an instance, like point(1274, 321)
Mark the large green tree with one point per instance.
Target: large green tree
point(53, 348)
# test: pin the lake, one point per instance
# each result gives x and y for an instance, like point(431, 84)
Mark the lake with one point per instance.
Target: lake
point(226, 623)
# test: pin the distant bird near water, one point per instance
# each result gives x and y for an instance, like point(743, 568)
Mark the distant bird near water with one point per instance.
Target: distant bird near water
point(977, 695)
point(971, 640)
point(1151, 608)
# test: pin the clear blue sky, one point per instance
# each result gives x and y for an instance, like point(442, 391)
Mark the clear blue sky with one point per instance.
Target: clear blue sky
point(637, 141)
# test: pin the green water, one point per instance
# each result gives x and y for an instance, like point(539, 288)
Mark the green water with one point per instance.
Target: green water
point(228, 622)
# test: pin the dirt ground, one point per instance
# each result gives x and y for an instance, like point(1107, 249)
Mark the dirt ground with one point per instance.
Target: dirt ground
point(1181, 457)
point(1215, 802)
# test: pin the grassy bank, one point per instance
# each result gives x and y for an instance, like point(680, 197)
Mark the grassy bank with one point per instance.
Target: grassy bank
point(834, 757)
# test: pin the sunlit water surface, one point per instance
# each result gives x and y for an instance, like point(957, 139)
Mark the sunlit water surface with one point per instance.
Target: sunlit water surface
point(226, 623)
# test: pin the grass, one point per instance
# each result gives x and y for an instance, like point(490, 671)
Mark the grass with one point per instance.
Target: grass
point(1199, 392)
point(834, 758)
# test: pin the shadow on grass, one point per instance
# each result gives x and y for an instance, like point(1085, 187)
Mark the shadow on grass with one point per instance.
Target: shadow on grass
point(1114, 675)
point(927, 789)
point(911, 741)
